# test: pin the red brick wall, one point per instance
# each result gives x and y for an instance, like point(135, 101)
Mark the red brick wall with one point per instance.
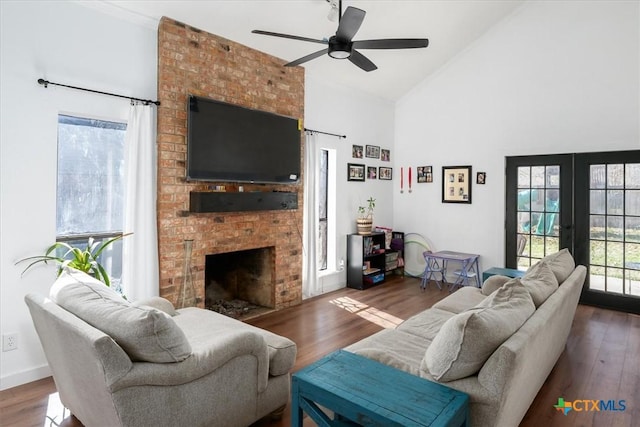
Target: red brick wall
point(191, 61)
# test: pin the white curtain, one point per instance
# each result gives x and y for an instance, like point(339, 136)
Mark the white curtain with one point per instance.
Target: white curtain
point(140, 270)
point(310, 283)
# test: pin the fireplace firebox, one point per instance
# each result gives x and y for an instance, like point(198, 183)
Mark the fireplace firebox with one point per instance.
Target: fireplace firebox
point(240, 284)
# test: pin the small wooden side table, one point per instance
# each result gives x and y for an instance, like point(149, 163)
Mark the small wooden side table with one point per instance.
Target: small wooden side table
point(369, 393)
point(495, 271)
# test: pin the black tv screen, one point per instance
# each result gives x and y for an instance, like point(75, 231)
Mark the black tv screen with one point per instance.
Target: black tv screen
point(236, 144)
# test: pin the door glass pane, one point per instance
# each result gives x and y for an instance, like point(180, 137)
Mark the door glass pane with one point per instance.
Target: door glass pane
point(537, 200)
point(538, 177)
point(553, 176)
point(597, 253)
point(615, 202)
point(615, 252)
point(524, 177)
point(632, 202)
point(598, 176)
point(597, 278)
point(632, 175)
point(597, 201)
point(615, 228)
point(598, 226)
point(552, 244)
point(614, 282)
point(615, 176)
point(537, 246)
point(524, 200)
point(632, 229)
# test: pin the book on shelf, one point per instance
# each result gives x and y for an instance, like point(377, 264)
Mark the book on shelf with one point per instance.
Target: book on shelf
point(370, 270)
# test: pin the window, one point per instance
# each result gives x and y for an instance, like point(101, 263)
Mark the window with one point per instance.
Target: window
point(90, 185)
point(323, 195)
point(326, 188)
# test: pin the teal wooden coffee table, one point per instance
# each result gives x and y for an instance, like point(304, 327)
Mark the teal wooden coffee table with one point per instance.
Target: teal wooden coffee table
point(509, 272)
point(360, 391)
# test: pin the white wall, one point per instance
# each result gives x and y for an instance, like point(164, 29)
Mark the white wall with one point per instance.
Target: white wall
point(365, 120)
point(67, 43)
point(554, 77)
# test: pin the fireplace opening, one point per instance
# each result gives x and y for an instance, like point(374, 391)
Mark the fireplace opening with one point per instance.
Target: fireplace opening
point(240, 284)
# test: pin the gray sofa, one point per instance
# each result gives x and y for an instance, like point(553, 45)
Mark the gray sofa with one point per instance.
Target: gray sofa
point(121, 364)
point(498, 344)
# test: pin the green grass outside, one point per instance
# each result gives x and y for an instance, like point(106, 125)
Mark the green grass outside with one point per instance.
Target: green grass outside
point(612, 254)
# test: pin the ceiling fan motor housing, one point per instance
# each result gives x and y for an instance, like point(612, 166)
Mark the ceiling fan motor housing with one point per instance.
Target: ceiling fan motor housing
point(339, 49)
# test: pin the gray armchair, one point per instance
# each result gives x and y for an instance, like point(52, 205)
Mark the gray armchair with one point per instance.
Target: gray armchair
point(226, 373)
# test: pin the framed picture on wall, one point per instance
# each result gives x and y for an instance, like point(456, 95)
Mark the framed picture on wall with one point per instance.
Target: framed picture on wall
point(385, 173)
point(385, 155)
point(355, 172)
point(481, 178)
point(372, 151)
point(425, 173)
point(456, 184)
point(372, 172)
point(356, 151)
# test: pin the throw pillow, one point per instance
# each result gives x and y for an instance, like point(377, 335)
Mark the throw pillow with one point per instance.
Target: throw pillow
point(144, 333)
point(540, 282)
point(465, 341)
point(562, 264)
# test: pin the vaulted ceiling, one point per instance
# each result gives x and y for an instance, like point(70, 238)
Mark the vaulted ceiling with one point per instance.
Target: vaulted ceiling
point(451, 26)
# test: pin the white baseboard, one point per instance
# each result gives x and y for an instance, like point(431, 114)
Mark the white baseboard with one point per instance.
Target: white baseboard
point(20, 378)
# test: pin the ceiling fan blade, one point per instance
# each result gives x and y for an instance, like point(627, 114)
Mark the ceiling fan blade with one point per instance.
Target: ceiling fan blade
point(304, 59)
point(350, 23)
point(391, 44)
point(288, 36)
point(362, 61)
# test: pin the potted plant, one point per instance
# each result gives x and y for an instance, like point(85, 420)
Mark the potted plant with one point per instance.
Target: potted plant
point(85, 260)
point(364, 222)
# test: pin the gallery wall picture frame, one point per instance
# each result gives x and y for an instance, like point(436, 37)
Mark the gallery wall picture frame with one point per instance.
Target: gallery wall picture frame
point(356, 151)
point(372, 151)
point(481, 178)
point(355, 172)
point(385, 173)
point(372, 172)
point(425, 173)
point(456, 184)
point(385, 155)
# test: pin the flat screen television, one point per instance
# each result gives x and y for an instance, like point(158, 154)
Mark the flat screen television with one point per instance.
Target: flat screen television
point(229, 143)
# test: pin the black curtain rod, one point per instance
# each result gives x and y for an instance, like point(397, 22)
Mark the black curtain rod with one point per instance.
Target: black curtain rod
point(46, 83)
point(325, 133)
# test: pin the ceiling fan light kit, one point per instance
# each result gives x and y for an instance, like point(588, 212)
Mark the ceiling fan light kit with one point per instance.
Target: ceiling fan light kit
point(342, 45)
point(339, 49)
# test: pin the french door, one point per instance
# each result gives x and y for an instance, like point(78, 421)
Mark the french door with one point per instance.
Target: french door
point(588, 203)
point(607, 204)
point(539, 209)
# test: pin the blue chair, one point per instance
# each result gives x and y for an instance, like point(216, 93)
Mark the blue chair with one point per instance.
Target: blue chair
point(431, 271)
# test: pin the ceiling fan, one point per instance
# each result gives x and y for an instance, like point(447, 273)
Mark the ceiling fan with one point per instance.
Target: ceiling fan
point(341, 45)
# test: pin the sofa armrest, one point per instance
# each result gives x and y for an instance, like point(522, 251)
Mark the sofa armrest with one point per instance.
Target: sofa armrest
point(493, 283)
point(209, 354)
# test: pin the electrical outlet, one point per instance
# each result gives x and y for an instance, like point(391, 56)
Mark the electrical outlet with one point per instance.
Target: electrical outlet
point(9, 342)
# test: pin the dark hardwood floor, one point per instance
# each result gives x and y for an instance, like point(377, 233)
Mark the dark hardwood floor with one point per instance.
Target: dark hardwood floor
point(601, 360)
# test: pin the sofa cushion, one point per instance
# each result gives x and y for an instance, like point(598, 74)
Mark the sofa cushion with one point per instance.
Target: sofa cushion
point(467, 340)
point(540, 282)
point(198, 322)
point(426, 324)
point(562, 264)
point(144, 333)
point(461, 300)
point(493, 283)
